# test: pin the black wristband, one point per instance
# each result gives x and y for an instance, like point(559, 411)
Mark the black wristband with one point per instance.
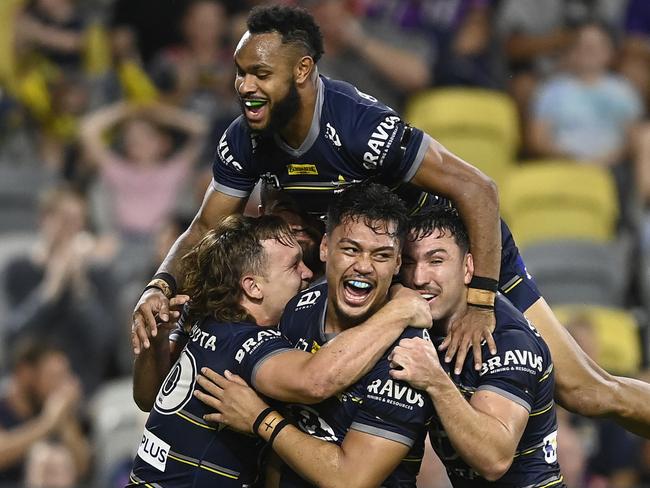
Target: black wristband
point(169, 279)
point(481, 283)
point(281, 425)
point(260, 418)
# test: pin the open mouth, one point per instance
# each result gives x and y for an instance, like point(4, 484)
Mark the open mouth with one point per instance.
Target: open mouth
point(255, 108)
point(428, 296)
point(356, 291)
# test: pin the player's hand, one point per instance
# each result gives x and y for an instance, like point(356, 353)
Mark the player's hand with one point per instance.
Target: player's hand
point(409, 303)
point(153, 305)
point(236, 403)
point(470, 330)
point(415, 360)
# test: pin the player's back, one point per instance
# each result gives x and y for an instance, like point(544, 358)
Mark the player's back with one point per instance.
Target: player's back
point(522, 371)
point(178, 448)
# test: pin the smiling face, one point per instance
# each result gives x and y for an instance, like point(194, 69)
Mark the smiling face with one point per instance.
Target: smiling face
point(360, 265)
point(265, 80)
point(437, 267)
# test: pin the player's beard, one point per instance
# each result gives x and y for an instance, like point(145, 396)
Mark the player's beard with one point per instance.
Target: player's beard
point(284, 110)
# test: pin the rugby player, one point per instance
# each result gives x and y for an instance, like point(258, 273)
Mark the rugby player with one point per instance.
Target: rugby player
point(310, 136)
point(498, 424)
point(372, 433)
point(240, 278)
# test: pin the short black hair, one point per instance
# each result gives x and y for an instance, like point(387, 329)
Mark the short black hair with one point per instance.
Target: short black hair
point(294, 24)
point(373, 204)
point(445, 219)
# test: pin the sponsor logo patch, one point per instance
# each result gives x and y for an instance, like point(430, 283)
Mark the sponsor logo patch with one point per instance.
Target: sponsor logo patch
point(153, 450)
point(302, 169)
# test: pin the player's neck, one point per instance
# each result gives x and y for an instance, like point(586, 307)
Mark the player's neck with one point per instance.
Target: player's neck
point(259, 313)
point(296, 131)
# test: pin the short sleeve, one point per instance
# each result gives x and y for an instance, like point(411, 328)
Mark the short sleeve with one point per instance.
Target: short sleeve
point(232, 171)
point(514, 280)
point(392, 409)
point(255, 348)
point(545, 101)
point(386, 145)
point(516, 370)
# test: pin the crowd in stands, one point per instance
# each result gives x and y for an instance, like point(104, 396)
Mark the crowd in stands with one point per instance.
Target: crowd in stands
point(110, 111)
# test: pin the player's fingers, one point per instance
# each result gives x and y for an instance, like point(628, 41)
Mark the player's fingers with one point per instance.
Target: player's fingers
point(214, 418)
point(178, 300)
point(491, 344)
point(210, 387)
point(149, 321)
point(476, 352)
point(140, 330)
point(461, 354)
point(454, 344)
point(399, 374)
point(209, 400)
point(234, 378)
point(214, 377)
point(445, 343)
point(163, 313)
point(135, 343)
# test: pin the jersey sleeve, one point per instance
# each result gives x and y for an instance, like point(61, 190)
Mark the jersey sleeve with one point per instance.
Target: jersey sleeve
point(517, 369)
point(392, 409)
point(386, 145)
point(232, 169)
point(255, 348)
point(514, 280)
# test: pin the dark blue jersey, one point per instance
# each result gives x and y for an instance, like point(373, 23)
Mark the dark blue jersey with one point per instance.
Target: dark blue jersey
point(521, 371)
point(352, 137)
point(178, 448)
point(376, 404)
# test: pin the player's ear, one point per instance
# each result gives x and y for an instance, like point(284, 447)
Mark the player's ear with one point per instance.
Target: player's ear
point(323, 248)
point(251, 287)
point(468, 268)
point(303, 69)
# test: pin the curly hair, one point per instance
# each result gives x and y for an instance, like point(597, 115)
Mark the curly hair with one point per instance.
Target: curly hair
point(214, 267)
point(374, 204)
point(294, 24)
point(445, 219)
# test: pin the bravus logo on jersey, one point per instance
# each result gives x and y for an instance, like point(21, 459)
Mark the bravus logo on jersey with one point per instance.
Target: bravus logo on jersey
point(514, 359)
point(380, 142)
point(381, 389)
point(253, 343)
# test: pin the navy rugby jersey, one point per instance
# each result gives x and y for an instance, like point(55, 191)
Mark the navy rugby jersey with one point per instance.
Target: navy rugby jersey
point(376, 404)
point(521, 371)
point(352, 137)
point(178, 448)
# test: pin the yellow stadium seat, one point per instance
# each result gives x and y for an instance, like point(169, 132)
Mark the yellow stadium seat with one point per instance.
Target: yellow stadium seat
point(616, 332)
point(8, 10)
point(559, 200)
point(481, 126)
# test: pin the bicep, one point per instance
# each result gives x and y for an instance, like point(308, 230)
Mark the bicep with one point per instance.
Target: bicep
point(215, 206)
point(368, 459)
point(282, 377)
point(511, 415)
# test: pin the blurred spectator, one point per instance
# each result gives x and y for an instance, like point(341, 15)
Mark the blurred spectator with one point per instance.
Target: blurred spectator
point(459, 31)
point(40, 403)
point(586, 113)
point(62, 290)
point(375, 56)
point(198, 73)
point(635, 51)
point(535, 33)
point(143, 181)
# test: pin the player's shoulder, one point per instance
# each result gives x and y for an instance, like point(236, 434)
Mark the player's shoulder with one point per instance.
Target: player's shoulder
point(346, 101)
point(513, 328)
point(307, 304)
point(236, 143)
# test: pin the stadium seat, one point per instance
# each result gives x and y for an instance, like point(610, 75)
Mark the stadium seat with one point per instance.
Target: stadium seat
point(481, 126)
point(617, 335)
point(559, 200)
point(580, 271)
point(117, 427)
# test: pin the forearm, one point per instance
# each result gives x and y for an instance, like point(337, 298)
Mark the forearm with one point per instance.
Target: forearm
point(150, 369)
point(184, 243)
point(15, 443)
point(61, 40)
point(470, 430)
point(319, 462)
point(179, 119)
point(406, 71)
point(78, 445)
point(343, 360)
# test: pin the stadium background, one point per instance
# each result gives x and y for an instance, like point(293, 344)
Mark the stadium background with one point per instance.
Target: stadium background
point(554, 110)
